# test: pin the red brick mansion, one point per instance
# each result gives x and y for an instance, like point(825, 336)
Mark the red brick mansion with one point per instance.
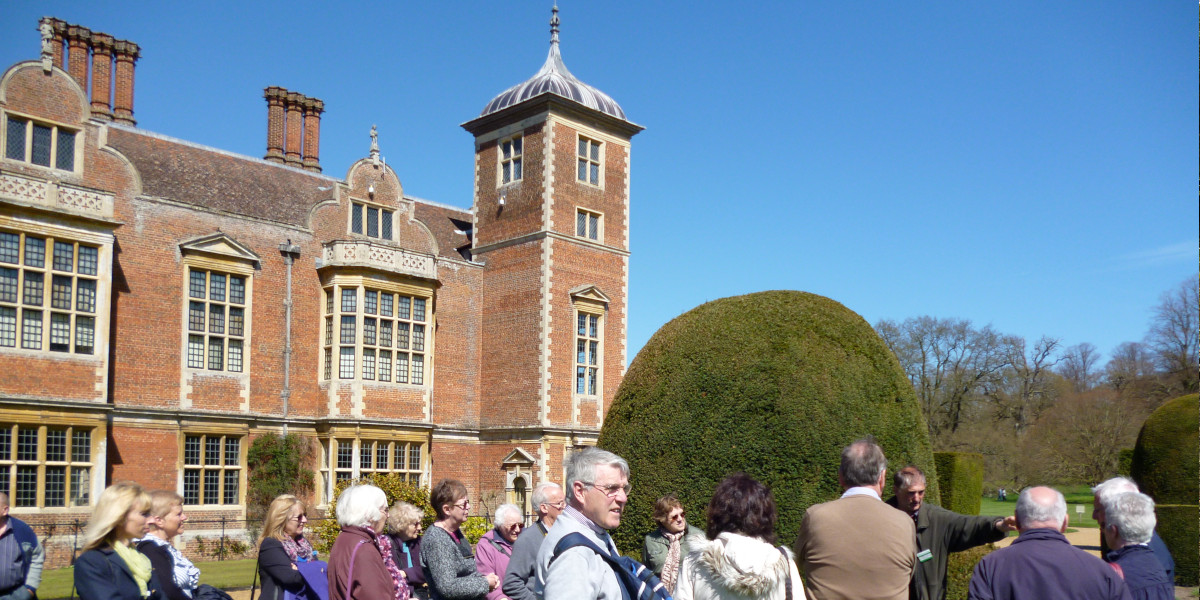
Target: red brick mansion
point(163, 303)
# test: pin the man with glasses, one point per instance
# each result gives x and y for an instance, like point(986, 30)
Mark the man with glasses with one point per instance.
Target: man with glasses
point(597, 490)
point(494, 549)
point(548, 502)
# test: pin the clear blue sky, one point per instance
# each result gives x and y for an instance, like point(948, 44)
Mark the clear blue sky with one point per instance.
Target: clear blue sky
point(1032, 165)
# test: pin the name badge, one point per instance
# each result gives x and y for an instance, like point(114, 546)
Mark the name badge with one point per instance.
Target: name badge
point(924, 555)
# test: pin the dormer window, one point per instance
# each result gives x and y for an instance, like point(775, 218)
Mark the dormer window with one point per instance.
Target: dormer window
point(510, 160)
point(42, 144)
point(371, 221)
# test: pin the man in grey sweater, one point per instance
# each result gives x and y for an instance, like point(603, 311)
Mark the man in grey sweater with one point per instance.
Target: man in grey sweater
point(548, 502)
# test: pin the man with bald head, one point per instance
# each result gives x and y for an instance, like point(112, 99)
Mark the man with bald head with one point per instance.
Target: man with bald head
point(1041, 563)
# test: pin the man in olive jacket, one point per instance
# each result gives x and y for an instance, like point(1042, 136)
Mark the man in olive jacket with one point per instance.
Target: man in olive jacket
point(939, 532)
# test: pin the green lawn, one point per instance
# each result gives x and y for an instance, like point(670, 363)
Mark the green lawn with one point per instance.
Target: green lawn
point(1076, 496)
point(228, 574)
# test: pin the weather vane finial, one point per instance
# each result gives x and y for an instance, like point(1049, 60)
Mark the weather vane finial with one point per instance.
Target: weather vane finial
point(554, 24)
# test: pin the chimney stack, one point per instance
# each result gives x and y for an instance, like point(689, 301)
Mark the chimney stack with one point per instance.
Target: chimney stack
point(312, 133)
point(102, 47)
point(126, 55)
point(276, 98)
point(84, 46)
point(293, 128)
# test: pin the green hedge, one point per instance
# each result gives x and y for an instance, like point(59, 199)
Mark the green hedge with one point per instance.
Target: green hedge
point(960, 477)
point(959, 568)
point(1125, 462)
point(1164, 459)
point(1179, 527)
point(773, 384)
point(1165, 467)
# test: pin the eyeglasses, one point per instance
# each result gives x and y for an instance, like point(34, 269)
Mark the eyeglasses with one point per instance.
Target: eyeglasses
point(299, 518)
point(611, 490)
point(560, 505)
point(465, 505)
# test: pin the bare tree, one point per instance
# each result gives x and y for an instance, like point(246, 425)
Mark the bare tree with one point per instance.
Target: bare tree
point(1081, 439)
point(1079, 366)
point(1130, 364)
point(1174, 335)
point(948, 362)
point(1027, 387)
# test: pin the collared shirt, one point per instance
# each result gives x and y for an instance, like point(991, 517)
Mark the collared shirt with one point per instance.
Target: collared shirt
point(859, 490)
point(600, 532)
point(12, 560)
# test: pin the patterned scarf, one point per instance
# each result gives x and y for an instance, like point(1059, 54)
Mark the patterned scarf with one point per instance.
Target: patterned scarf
point(297, 547)
point(670, 571)
point(384, 543)
point(186, 575)
point(138, 563)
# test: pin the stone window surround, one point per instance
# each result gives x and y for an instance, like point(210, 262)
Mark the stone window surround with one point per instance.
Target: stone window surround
point(223, 434)
point(77, 159)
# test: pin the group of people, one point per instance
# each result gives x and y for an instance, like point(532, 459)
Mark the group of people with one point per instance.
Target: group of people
point(857, 546)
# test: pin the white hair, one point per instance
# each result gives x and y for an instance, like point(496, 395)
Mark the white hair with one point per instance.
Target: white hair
point(1107, 490)
point(507, 514)
point(541, 491)
point(1032, 510)
point(1132, 513)
point(581, 465)
point(359, 506)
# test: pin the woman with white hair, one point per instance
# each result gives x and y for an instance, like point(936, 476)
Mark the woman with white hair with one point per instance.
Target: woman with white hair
point(361, 564)
point(109, 568)
point(494, 549)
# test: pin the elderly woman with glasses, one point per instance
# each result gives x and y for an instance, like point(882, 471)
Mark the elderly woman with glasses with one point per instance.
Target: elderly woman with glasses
point(665, 547)
point(404, 527)
point(280, 546)
point(361, 563)
point(449, 565)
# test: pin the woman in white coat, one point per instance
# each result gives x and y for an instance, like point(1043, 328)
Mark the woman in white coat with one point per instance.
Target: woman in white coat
point(739, 560)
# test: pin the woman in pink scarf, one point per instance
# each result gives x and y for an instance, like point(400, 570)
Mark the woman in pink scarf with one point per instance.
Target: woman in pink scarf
point(665, 547)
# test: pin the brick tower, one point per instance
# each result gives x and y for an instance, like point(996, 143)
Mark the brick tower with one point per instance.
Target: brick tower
point(551, 223)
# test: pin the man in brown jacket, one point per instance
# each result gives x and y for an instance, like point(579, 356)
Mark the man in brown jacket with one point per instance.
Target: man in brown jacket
point(857, 546)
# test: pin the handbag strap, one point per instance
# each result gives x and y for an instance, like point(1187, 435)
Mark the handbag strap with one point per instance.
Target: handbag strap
point(257, 562)
point(788, 581)
point(350, 571)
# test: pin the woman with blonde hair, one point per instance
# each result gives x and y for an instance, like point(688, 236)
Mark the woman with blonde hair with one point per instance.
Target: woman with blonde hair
point(109, 568)
point(178, 576)
point(404, 527)
point(280, 546)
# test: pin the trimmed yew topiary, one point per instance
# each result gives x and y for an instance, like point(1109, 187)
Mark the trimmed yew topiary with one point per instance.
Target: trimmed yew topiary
point(773, 384)
point(1165, 467)
point(960, 477)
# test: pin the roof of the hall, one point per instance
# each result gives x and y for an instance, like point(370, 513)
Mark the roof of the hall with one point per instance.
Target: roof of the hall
point(554, 78)
point(218, 180)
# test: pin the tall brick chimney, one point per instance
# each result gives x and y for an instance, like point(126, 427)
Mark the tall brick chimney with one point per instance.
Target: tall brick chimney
point(101, 51)
point(293, 128)
point(102, 47)
point(276, 98)
point(78, 40)
point(312, 133)
point(126, 55)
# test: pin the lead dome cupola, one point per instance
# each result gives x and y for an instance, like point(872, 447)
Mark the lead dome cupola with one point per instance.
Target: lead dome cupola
point(554, 78)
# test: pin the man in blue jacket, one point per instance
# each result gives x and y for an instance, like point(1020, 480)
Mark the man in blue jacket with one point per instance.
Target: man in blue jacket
point(21, 557)
point(1130, 520)
point(1041, 563)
